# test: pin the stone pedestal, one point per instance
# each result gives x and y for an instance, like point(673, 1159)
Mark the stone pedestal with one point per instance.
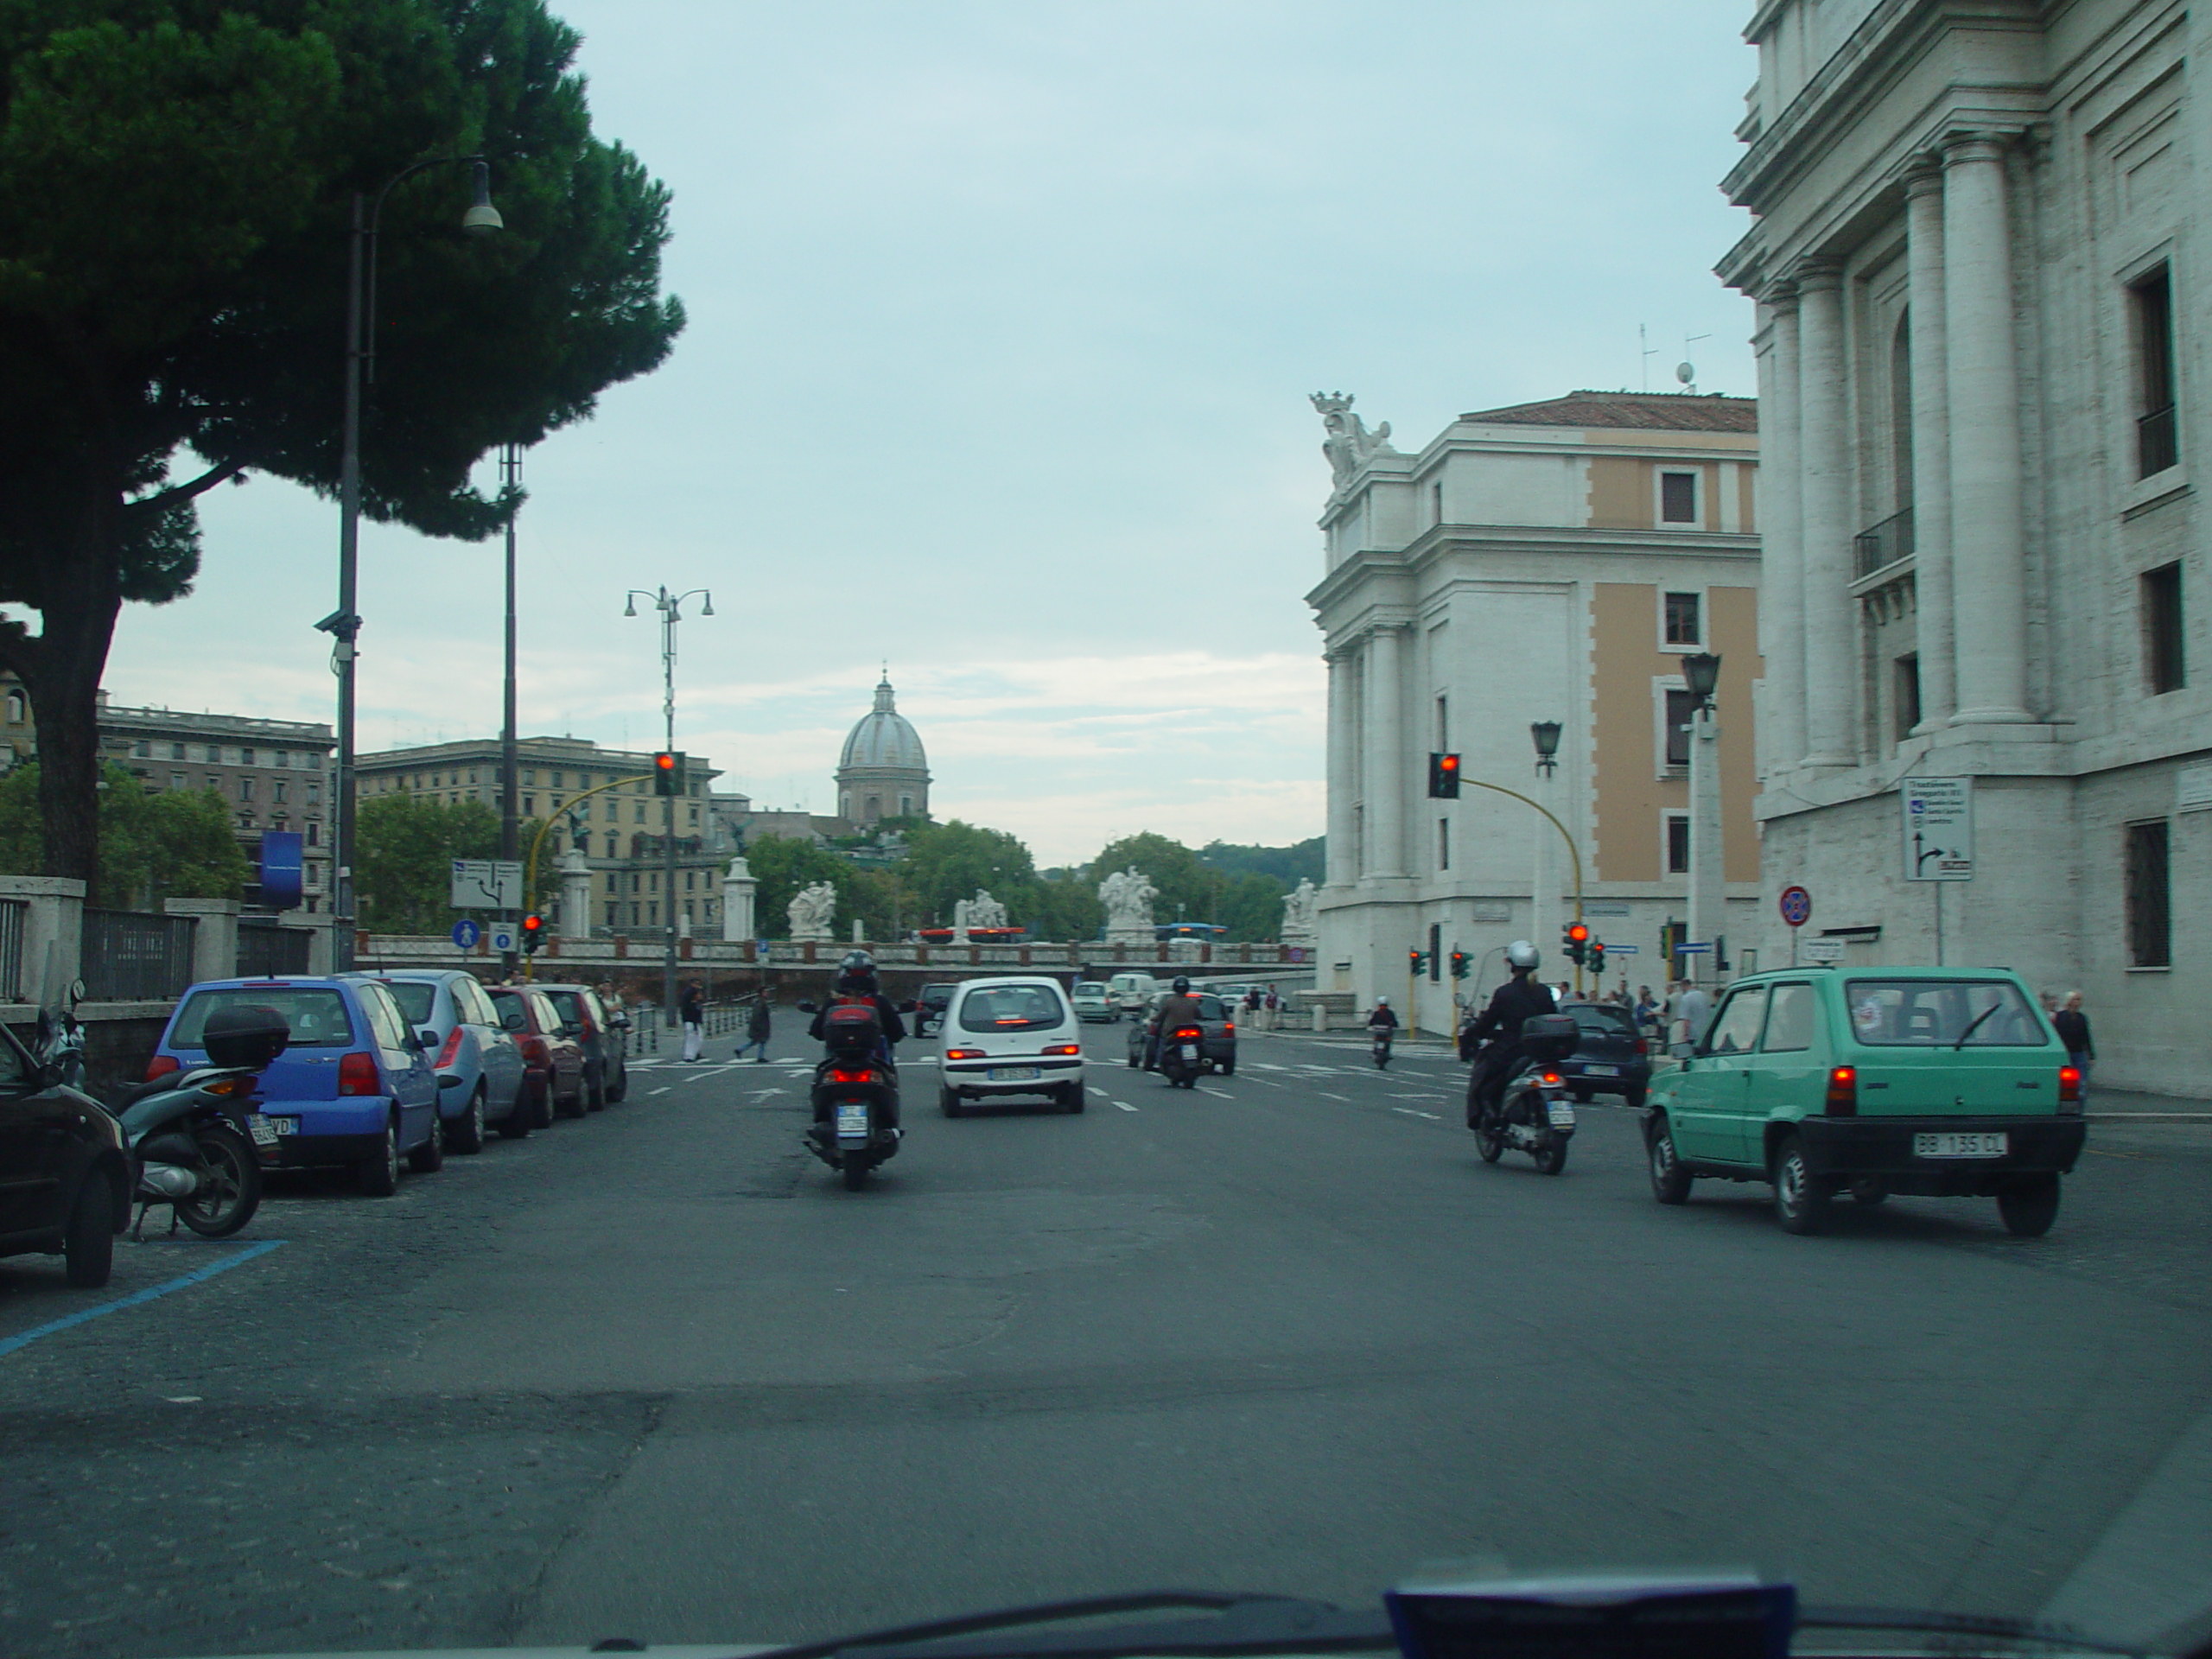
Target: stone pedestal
point(1132, 938)
point(214, 935)
point(54, 934)
point(738, 885)
point(575, 895)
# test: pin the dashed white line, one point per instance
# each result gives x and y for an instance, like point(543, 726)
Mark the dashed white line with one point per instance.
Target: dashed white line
point(1410, 1112)
point(663, 1089)
point(1215, 1093)
point(1325, 1094)
point(1125, 1105)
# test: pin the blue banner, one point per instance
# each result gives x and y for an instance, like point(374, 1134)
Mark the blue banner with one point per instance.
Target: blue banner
point(280, 869)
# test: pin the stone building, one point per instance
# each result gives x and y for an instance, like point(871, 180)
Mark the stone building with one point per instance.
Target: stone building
point(1546, 562)
point(620, 831)
point(882, 772)
point(1976, 323)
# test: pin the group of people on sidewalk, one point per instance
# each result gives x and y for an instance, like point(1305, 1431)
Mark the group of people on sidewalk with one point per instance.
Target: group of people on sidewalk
point(691, 1009)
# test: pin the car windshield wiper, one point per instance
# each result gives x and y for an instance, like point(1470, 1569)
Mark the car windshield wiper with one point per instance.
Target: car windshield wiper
point(1976, 1027)
point(1242, 1624)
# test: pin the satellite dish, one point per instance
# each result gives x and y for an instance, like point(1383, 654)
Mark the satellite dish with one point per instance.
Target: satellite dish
point(1687, 373)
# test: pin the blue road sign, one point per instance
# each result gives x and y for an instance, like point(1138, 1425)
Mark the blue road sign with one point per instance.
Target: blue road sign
point(1622, 950)
point(1691, 950)
point(465, 933)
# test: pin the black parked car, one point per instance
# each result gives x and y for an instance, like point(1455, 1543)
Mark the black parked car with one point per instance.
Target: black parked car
point(930, 1007)
point(65, 1170)
point(1613, 1058)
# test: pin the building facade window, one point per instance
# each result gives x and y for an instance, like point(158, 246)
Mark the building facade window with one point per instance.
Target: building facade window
point(281, 758)
point(142, 749)
point(2157, 426)
point(1444, 843)
point(214, 754)
point(2150, 942)
point(176, 780)
point(1685, 622)
point(1681, 707)
point(245, 789)
point(1678, 843)
point(277, 791)
point(1678, 497)
point(245, 757)
point(2164, 667)
point(314, 833)
point(176, 751)
point(19, 711)
point(1906, 695)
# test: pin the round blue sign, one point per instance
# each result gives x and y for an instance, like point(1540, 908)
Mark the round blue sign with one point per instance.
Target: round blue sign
point(465, 933)
point(1796, 907)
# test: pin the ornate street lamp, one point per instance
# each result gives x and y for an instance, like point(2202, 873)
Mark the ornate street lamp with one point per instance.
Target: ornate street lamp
point(1546, 733)
point(1701, 674)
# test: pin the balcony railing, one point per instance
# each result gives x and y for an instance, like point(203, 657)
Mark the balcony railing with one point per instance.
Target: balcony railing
point(2157, 441)
point(1883, 545)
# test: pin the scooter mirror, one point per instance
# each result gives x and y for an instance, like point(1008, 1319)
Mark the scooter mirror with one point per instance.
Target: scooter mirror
point(808, 1008)
point(908, 1007)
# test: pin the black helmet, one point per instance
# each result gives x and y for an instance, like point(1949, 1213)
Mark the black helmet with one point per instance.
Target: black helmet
point(856, 974)
point(1182, 985)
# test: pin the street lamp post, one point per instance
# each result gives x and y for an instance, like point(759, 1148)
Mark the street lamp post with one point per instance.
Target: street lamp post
point(510, 746)
point(1708, 892)
point(670, 607)
point(344, 625)
point(1543, 909)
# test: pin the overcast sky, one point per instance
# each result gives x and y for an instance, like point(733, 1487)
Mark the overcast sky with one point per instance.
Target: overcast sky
point(1003, 317)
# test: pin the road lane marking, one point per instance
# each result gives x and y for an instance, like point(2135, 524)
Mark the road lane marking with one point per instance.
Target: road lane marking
point(1215, 1093)
point(24, 1340)
point(1325, 1094)
point(1410, 1112)
point(663, 1089)
point(1125, 1105)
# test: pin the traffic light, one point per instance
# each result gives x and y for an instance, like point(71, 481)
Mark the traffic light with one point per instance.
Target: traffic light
point(668, 774)
point(1458, 964)
point(1597, 955)
point(1443, 777)
point(533, 934)
point(1415, 961)
point(1577, 938)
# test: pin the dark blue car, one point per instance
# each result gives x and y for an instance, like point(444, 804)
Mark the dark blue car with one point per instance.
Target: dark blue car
point(353, 1089)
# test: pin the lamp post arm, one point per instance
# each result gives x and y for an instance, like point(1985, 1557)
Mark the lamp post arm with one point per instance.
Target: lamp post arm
point(530, 869)
point(368, 235)
point(1573, 853)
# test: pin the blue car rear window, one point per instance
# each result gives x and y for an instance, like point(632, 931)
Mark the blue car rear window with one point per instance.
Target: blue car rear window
point(316, 1016)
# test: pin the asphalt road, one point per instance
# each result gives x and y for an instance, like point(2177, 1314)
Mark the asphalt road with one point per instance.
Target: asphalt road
point(656, 1374)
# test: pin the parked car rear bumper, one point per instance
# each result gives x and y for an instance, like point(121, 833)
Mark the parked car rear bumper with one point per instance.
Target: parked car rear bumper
point(1634, 1077)
point(1882, 1146)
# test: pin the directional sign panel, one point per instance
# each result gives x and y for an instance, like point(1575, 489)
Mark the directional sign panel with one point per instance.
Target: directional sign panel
point(1938, 829)
point(487, 884)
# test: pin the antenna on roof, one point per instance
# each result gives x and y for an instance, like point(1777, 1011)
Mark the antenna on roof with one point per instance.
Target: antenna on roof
point(1685, 371)
point(1646, 351)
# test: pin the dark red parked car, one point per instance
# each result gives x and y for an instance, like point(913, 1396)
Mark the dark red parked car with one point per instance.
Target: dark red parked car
point(553, 1061)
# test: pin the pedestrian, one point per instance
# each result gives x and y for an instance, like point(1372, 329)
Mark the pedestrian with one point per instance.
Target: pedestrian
point(691, 1006)
point(2073, 1028)
point(1647, 1008)
point(756, 1032)
point(1693, 1011)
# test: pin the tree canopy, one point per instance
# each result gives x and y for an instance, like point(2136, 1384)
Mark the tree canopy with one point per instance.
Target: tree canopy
point(177, 182)
point(172, 843)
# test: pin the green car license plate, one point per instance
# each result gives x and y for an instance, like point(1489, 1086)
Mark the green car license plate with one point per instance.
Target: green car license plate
point(1962, 1144)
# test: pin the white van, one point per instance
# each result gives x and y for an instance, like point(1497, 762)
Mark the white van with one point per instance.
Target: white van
point(1132, 993)
point(1010, 1036)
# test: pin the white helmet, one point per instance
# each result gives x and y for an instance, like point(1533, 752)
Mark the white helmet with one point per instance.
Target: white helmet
point(1521, 954)
point(1381, 1002)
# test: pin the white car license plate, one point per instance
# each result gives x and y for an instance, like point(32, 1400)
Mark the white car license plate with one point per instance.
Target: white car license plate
point(1963, 1144)
point(852, 1119)
point(1562, 1115)
point(266, 1130)
point(1601, 1071)
point(1012, 1074)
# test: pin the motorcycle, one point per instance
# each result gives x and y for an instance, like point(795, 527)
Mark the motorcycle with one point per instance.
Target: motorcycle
point(1532, 1113)
point(1182, 1057)
point(1379, 1037)
point(192, 1134)
point(856, 1095)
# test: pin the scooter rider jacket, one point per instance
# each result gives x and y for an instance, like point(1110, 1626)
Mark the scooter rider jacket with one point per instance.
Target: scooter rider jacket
point(1176, 1012)
point(1522, 997)
point(1383, 1014)
point(894, 1028)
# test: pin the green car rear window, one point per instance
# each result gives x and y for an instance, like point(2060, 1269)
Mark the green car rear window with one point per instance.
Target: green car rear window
point(1943, 1013)
point(315, 1017)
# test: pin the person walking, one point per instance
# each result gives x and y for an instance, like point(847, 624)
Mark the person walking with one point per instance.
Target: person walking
point(691, 1008)
point(756, 1032)
point(2073, 1028)
point(1692, 1011)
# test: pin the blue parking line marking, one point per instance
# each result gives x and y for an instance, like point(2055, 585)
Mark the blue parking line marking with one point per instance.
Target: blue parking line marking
point(10, 1345)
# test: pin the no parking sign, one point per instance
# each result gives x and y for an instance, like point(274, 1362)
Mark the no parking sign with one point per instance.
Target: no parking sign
point(1796, 907)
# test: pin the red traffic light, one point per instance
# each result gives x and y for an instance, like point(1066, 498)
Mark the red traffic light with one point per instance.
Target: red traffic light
point(664, 761)
point(1447, 763)
point(532, 924)
point(1578, 934)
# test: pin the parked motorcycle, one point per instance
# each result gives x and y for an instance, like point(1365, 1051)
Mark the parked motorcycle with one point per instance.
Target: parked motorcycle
point(1379, 1038)
point(856, 1094)
point(192, 1134)
point(1183, 1057)
point(1532, 1113)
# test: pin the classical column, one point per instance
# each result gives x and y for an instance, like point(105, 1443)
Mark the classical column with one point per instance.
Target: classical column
point(575, 895)
point(1824, 468)
point(1385, 755)
point(1989, 591)
point(1782, 543)
point(1344, 784)
point(1931, 444)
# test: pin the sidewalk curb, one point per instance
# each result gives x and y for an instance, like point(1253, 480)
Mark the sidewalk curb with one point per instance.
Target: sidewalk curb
point(2149, 1117)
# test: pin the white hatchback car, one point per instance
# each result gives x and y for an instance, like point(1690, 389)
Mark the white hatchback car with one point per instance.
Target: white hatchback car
point(1012, 1036)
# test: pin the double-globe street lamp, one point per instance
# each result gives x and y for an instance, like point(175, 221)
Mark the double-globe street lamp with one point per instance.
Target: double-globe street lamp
point(344, 625)
point(670, 607)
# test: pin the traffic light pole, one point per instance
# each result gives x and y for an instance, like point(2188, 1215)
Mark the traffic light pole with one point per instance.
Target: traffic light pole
point(1573, 853)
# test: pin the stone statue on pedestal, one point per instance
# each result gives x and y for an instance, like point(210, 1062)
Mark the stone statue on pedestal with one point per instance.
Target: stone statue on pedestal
point(981, 912)
point(1299, 924)
point(737, 900)
point(811, 910)
point(1128, 896)
point(1346, 441)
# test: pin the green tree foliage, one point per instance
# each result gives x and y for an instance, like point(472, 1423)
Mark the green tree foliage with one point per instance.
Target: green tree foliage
point(1242, 893)
point(947, 862)
point(177, 181)
point(1302, 861)
point(782, 867)
point(175, 843)
point(404, 846)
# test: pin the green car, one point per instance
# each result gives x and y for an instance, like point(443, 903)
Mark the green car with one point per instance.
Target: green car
point(1941, 1081)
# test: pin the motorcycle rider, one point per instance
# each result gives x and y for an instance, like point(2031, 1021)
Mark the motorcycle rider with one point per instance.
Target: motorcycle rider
point(1181, 1008)
point(1522, 997)
point(1382, 1021)
point(856, 982)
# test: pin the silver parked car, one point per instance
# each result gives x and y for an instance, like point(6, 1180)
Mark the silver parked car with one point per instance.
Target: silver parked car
point(479, 1068)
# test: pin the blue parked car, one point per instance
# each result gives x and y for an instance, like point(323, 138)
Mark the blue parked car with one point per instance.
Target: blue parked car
point(352, 1089)
point(479, 1069)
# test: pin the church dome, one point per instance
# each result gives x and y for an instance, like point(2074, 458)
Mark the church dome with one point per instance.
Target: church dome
point(884, 740)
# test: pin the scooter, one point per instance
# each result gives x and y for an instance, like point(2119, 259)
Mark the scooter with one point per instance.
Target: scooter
point(1182, 1057)
point(1379, 1037)
point(856, 1095)
point(1532, 1113)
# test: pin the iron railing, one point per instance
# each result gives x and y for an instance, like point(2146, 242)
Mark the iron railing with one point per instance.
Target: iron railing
point(2157, 441)
point(268, 951)
point(15, 913)
point(135, 956)
point(1883, 545)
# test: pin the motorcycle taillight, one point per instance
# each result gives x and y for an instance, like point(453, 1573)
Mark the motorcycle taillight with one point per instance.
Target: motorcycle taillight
point(161, 1065)
point(357, 1075)
point(836, 1075)
point(1190, 1035)
point(1551, 1080)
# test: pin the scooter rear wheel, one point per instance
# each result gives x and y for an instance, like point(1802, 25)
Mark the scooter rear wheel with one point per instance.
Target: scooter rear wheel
point(854, 1171)
point(229, 1184)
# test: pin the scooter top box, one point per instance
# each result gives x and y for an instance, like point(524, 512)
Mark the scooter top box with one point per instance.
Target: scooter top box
point(248, 1036)
point(852, 1024)
point(1549, 1036)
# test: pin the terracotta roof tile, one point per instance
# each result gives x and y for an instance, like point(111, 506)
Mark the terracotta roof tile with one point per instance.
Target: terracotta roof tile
point(1663, 412)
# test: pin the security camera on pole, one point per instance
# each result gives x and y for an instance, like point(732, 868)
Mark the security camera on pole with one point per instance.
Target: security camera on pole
point(1708, 890)
point(669, 779)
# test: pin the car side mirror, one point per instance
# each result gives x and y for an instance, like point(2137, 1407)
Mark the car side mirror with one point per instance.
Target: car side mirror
point(808, 1008)
point(427, 1041)
point(909, 1007)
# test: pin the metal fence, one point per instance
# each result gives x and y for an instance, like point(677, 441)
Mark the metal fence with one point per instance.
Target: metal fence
point(2157, 440)
point(268, 952)
point(1883, 545)
point(15, 913)
point(135, 956)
